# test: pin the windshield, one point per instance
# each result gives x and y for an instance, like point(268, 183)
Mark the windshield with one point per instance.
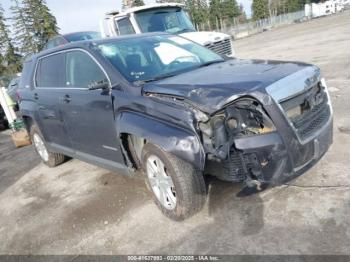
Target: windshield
point(153, 57)
point(171, 20)
point(82, 36)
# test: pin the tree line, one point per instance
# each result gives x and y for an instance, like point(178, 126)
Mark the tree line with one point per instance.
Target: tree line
point(217, 14)
point(32, 25)
point(262, 9)
point(212, 15)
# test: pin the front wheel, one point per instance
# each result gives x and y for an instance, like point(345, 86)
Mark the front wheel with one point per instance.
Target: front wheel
point(178, 188)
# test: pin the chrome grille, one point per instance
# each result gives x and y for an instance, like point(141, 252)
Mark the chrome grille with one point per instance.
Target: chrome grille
point(222, 47)
point(314, 111)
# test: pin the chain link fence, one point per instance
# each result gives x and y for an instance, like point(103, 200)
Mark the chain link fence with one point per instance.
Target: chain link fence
point(244, 30)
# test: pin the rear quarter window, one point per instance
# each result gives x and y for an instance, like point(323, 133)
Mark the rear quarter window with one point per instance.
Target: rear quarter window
point(50, 71)
point(26, 79)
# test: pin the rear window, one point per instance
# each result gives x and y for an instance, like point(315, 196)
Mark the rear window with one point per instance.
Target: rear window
point(50, 71)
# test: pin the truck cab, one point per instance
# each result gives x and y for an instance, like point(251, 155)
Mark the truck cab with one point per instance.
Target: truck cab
point(165, 17)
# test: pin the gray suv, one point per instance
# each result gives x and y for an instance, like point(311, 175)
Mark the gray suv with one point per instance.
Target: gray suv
point(176, 110)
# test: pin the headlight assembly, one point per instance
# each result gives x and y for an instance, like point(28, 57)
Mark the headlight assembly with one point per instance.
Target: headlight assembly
point(245, 117)
point(248, 117)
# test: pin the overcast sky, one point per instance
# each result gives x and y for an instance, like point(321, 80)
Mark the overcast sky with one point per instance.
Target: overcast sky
point(80, 15)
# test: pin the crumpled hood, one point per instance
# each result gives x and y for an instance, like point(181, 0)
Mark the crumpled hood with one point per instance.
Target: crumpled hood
point(214, 86)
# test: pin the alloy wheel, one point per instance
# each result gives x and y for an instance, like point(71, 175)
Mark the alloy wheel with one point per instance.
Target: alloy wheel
point(40, 147)
point(161, 182)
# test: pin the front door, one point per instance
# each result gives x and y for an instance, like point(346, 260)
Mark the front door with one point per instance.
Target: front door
point(88, 114)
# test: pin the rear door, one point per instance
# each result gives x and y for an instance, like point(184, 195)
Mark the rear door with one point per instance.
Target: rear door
point(88, 114)
point(49, 87)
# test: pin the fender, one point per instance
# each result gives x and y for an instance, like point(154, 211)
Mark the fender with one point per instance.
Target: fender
point(172, 139)
point(28, 111)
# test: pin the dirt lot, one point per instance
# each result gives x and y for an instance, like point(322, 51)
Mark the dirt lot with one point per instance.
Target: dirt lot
point(79, 208)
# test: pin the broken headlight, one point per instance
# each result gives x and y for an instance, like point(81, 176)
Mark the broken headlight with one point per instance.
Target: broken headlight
point(243, 118)
point(247, 117)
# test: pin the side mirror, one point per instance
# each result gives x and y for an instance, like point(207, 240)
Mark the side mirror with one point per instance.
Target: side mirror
point(103, 84)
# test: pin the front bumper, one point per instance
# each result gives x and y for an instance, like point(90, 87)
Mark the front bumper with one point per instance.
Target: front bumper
point(278, 157)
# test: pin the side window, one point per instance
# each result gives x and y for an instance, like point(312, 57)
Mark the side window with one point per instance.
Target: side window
point(50, 71)
point(82, 70)
point(125, 27)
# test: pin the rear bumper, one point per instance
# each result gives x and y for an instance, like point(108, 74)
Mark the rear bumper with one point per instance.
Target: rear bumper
point(276, 154)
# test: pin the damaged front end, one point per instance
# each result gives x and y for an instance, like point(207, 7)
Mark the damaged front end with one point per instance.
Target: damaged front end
point(242, 144)
point(272, 142)
point(266, 136)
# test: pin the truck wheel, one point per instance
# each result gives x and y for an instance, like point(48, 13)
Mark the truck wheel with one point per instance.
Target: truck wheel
point(49, 158)
point(178, 188)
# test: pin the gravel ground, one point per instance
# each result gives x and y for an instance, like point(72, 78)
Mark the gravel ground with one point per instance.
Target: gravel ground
point(79, 208)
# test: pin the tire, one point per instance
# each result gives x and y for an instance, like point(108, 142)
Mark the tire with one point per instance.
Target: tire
point(4, 125)
point(187, 184)
point(51, 159)
point(133, 153)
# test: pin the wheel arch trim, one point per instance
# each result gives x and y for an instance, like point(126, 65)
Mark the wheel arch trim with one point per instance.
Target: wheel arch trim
point(172, 139)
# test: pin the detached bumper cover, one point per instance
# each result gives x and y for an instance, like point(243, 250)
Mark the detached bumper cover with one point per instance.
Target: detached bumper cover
point(276, 154)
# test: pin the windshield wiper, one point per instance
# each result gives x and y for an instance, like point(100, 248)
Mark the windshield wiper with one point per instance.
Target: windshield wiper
point(160, 77)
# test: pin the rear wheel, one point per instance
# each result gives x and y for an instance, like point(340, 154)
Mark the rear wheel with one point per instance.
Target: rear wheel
point(178, 188)
point(49, 158)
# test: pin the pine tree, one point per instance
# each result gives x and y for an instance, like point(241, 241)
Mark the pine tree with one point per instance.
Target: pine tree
point(23, 33)
point(198, 11)
point(223, 11)
point(242, 18)
point(4, 32)
point(215, 14)
point(138, 3)
point(34, 25)
point(9, 58)
point(294, 5)
point(260, 9)
point(13, 60)
point(2, 66)
point(229, 10)
point(40, 20)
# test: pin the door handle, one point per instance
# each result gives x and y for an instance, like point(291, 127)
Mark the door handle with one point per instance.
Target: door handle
point(66, 98)
point(36, 96)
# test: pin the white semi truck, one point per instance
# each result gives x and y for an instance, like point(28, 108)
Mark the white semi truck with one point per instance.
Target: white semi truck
point(329, 7)
point(164, 17)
